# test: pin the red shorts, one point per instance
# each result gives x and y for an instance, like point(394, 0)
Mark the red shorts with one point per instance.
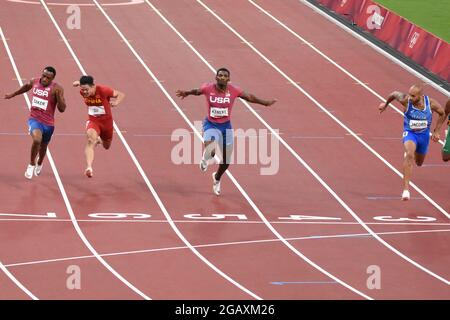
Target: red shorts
point(104, 128)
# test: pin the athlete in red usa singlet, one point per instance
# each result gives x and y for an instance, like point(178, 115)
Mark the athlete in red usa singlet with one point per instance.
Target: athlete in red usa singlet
point(99, 126)
point(46, 97)
point(220, 97)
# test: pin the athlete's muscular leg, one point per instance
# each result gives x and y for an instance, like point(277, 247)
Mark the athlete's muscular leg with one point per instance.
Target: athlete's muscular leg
point(445, 156)
point(36, 135)
point(420, 158)
point(410, 150)
point(209, 152)
point(446, 148)
point(107, 144)
point(226, 160)
point(106, 134)
point(42, 153)
point(92, 137)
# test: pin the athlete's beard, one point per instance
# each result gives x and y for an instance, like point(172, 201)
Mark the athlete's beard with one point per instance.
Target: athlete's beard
point(44, 84)
point(221, 86)
point(416, 103)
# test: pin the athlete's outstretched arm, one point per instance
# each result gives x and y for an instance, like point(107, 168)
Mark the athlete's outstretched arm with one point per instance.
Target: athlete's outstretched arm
point(436, 107)
point(183, 94)
point(254, 99)
point(25, 88)
point(60, 101)
point(396, 95)
point(118, 96)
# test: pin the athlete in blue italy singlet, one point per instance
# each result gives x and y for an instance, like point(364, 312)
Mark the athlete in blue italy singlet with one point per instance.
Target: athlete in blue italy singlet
point(417, 124)
point(417, 110)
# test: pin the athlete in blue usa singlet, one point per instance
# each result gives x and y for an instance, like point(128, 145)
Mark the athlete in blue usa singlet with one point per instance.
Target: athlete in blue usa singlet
point(417, 109)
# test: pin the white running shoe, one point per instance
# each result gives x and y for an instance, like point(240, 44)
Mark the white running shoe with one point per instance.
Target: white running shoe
point(89, 172)
point(203, 165)
point(38, 168)
point(29, 172)
point(216, 185)
point(405, 195)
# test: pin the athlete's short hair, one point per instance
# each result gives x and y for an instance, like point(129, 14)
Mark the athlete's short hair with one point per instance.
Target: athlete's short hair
point(89, 80)
point(223, 69)
point(51, 69)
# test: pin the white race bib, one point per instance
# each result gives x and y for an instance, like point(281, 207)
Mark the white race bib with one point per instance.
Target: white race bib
point(39, 103)
point(218, 112)
point(418, 124)
point(96, 110)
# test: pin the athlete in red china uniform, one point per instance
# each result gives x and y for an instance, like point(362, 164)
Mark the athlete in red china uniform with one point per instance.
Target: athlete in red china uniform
point(99, 126)
point(220, 97)
point(46, 97)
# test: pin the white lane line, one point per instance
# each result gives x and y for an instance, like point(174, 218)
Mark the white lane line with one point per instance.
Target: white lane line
point(223, 244)
point(17, 282)
point(130, 2)
point(296, 35)
point(315, 138)
point(253, 205)
point(234, 222)
point(376, 48)
point(150, 186)
point(387, 138)
point(67, 202)
point(2, 267)
point(83, 134)
point(432, 165)
point(355, 216)
point(350, 132)
point(141, 171)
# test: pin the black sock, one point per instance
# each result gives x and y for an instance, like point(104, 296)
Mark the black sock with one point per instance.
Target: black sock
point(222, 168)
point(226, 159)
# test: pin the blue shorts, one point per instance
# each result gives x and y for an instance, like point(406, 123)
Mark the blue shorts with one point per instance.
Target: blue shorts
point(219, 132)
point(47, 131)
point(421, 139)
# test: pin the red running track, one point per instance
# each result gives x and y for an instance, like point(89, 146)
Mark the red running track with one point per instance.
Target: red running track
point(411, 255)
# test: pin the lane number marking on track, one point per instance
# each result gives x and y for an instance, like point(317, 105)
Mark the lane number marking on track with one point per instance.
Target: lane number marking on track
point(47, 215)
point(111, 215)
point(302, 217)
point(417, 219)
point(217, 216)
